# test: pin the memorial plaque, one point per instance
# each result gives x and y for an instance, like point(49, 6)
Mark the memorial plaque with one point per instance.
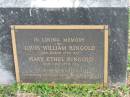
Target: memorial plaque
point(60, 53)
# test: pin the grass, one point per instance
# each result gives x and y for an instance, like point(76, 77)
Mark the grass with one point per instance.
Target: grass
point(61, 90)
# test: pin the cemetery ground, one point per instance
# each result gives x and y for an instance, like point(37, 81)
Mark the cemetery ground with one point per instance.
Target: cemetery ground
point(60, 90)
point(65, 90)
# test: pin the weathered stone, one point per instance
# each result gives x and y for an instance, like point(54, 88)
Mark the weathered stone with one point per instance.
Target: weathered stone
point(116, 18)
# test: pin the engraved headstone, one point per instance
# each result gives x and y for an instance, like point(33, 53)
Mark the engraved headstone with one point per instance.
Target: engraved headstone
point(64, 53)
point(114, 14)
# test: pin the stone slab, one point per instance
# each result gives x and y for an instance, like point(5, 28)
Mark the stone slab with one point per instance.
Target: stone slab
point(116, 18)
point(63, 3)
